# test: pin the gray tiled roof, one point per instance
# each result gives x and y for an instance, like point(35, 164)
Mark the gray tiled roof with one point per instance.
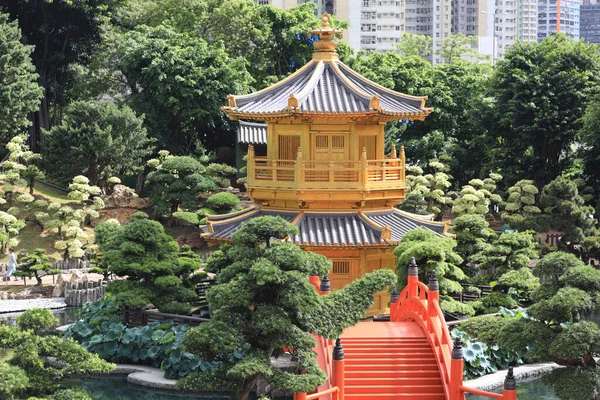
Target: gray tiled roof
point(326, 87)
point(347, 229)
point(329, 228)
point(251, 132)
point(400, 223)
point(225, 227)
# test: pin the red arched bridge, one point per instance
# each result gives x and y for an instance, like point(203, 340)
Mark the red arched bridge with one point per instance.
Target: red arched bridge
point(412, 356)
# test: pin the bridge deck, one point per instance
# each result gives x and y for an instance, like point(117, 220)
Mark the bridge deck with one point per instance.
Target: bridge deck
point(380, 330)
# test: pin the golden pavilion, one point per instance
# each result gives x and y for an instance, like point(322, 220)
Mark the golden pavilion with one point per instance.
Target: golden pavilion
point(323, 167)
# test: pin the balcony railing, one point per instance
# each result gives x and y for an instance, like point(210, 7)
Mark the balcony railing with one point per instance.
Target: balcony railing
point(339, 174)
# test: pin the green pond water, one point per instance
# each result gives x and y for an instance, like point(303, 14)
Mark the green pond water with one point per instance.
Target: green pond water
point(528, 390)
point(118, 388)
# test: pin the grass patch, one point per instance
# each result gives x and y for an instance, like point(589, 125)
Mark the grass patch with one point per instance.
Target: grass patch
point(50, 193)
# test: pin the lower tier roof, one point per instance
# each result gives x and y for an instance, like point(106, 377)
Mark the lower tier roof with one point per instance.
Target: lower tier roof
point(328, 228)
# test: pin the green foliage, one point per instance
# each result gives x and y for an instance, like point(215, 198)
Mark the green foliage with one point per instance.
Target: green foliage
point(521, 209)
point(566, 211)
point(578, 343)
point(20, 93)
point(553, 265)
point(533, 127)
point(101, 331)
point(176, 182)
point(431, 253)
point(263, 302)
point(492, 303)
point(167, 71)
point(522, 280)
point(511, 251)
point(29, 358)
point(222, 201)
point(477, 196)
point(14, 381)
point(432, 187)
point(97, 139)
point(456, 308)
point(481, 359)
point(37, 320)
point(562, 307)
point(473, 235)
point(585, 382)
point(485, 328)
point(156, 272)
point(33, 264)
point(584, 277)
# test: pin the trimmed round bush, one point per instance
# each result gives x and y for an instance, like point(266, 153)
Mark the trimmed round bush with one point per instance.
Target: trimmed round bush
point(37, 320)
point(494, 301)
point(223, 201)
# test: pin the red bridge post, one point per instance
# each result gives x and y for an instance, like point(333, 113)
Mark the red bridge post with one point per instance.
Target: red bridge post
point(413, 279)
point(338, 368)
point(394, 303)
point(325, 287)
point(510, 386)
point(315, 281)
point(456, 372)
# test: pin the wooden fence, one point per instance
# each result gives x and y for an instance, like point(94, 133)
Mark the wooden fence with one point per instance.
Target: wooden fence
point(140, 317)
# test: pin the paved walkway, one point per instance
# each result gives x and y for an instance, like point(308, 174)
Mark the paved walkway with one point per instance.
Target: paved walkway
point(11, 306)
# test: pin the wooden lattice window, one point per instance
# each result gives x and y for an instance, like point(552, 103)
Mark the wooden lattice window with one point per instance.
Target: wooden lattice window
point(370, 143)
point(341, 267)
point(288, 146)
point(337, 142)
point(322, 142)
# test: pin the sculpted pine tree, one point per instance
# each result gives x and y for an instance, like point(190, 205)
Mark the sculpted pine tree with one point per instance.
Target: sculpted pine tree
point(520, 209)
point(32, 265)
point(477, 196)
point(156, 273)
point(431, 187)
point(263, 304)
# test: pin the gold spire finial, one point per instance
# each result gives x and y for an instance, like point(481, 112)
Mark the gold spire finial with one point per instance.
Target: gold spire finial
point(326, 33)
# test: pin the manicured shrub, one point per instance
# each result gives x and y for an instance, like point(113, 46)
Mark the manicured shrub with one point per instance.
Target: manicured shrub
point(493, 302)
point(38, 320)
point(485, 328)
point(223, 201)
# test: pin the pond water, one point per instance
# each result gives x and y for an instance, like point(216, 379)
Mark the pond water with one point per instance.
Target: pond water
point(527, 390)
point(65, 316)
point(117, 388)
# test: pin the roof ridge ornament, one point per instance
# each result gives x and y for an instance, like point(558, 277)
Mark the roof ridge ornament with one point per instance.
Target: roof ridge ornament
point(326, 33)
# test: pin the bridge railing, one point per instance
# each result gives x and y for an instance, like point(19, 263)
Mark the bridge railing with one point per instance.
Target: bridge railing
point(420, 303)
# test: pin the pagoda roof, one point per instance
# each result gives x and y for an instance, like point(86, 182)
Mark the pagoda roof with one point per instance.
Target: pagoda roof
point(252, 133)
point(326, 88)
point(329, 228)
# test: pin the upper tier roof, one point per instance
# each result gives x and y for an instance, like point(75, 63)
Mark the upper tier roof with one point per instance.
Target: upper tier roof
point(326, 88)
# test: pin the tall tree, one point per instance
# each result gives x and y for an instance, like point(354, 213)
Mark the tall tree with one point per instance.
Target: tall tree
point(179, 82)
point(19, 92)
point(263, 303)
point(98, 139)
point(589, 138)
point(63, 33)
point(541, 92)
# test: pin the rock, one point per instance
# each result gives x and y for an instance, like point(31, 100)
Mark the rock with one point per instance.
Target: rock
point(194, 240)
point(76, 277)
point(59, 288)
point(124, 197)
point(3, 295)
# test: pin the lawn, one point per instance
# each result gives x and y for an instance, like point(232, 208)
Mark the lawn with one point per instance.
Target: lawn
point(51, 193)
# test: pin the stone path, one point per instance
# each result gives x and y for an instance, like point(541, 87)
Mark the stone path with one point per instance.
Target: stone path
point(11, 306)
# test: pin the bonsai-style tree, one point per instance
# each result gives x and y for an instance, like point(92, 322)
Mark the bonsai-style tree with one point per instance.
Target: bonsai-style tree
point(220, 203)
point(473, 236)
point(520, 209)
point(565, 211)
point(9, 229)
point(74, 240)
point(511, 251)
point(432, 187)
point(176, 182)
point(142, 252)
point(477, 196)
point(433, 253)
point(30, 359)
point(263, 303)
point(32, 265)
point(105, 234)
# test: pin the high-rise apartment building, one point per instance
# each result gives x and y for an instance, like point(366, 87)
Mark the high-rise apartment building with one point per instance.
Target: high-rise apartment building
point(496, 23)
point(589, 26)
point(569, 18)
